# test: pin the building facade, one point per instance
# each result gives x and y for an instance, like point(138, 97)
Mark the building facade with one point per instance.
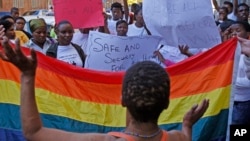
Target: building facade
point(24, 5)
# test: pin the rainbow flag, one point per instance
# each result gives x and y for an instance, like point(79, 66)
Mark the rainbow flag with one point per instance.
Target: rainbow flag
point(82, 100)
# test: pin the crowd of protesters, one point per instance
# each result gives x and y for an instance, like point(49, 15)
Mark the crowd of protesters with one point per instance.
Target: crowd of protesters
point(68, 46)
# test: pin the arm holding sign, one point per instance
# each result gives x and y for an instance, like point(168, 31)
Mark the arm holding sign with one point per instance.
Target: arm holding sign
point(216, 6)
point(184, 49)
point(126, 10)
point(245, 49)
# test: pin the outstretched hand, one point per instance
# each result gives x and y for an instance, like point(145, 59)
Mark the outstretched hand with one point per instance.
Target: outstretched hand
point(245, 46)
point(195, 113)
point(26, 64)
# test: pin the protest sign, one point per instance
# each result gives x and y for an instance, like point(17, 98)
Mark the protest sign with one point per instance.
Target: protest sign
point(81, 13)
point(117, 53)
point(182, 22)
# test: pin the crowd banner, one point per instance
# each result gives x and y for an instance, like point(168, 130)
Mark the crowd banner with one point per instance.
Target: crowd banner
point(182, 22)
point(83, 100)
point(81, 13)
point(117, 53)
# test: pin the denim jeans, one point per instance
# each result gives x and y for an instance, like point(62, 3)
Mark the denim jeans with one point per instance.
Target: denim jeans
point(241, 112)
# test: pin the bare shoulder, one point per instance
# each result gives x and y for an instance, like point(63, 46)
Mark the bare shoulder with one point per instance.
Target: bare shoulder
point(176, 135)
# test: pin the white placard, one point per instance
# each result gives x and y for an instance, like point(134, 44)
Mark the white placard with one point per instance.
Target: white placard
point(116, 53)
point(182, 22)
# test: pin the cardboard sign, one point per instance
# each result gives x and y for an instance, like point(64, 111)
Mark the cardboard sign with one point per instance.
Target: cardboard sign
point(115, 53)
point(182, 22)
point(81, 13)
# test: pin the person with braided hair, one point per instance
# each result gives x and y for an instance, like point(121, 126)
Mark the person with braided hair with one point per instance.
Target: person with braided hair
point(145, 94)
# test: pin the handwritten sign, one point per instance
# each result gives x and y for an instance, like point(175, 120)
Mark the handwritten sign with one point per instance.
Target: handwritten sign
point(182, 22)
point(115, 53)
point(81, 13)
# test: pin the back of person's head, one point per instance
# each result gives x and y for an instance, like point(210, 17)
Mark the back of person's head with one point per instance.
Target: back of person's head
point(6, 24)
point(145, 91)
point(228, 3)
point(116, 5)
point(36, 23)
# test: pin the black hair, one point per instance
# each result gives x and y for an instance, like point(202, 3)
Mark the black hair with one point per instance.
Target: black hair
point(116, 5)
point(138, 10)
point(244, 24)
point(120, 22)
point(14, 9)
point(226, 24)
point(224, 8)
point(145, 91)
point(6, 24)
point(7, 17)
point(20, 18)
point(61, 23)
point(228, 3)
point(243, 4)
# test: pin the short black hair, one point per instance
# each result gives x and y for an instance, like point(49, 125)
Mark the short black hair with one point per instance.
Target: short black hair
point(226, 24)
point(138, 9)
point(6, 24)
point(145, 91)
point(20, 18)
point(224, 8)
point(244, 24)
point(116, 5)
point(243, 4)
point(14, 9)
point(228, 3)
point(7, 17)
point(120, 22)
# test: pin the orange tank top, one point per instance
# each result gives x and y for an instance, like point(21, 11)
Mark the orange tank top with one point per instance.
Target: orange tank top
point(130, 138)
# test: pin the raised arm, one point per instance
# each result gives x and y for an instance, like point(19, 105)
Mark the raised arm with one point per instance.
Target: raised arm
point(31, 121)
point(126, 10)
point(192, 116)
point(216, 6)
point(235, 6)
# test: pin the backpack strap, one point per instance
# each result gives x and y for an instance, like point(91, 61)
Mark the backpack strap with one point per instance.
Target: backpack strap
point(121, 135)
point(80, 52)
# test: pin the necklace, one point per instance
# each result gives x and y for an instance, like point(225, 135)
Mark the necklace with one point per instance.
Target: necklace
point(142, 136)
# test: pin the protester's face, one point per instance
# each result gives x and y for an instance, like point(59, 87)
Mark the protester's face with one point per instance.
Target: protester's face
point(116, 13)
point(139, 17)
point(20, 24)
point(122, 29)
point(65, 34)
point(229, 8)
point(39, 35)
point(10, 33)
point(15, 14)
point(243, 13)
point(237, 30)
point(222, 14)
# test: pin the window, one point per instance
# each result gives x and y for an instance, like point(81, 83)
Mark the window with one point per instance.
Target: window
point(18, 3)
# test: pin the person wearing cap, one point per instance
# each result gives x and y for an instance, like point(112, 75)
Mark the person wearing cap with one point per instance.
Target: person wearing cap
point(39, 41)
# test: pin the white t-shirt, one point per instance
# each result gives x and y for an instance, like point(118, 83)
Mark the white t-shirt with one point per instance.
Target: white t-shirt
point(112, 26)
point(69, 54)
point(232, 16)
point(81, 39)
point(133, 30)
